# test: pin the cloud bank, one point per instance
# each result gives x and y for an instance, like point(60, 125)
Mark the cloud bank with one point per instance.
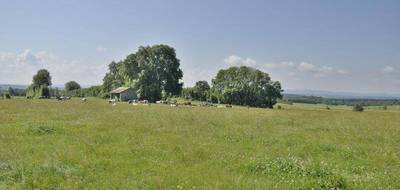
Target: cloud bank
point(390, 70)
point(290, 67)
point(235, 60)
point(19, 68)
point(305, 68)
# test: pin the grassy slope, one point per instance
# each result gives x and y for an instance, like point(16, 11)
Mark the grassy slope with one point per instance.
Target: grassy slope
point(73, 145)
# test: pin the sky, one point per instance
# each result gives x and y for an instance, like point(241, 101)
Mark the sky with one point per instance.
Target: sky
point(340, 45)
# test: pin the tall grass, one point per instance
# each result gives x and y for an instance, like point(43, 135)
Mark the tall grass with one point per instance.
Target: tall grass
point(46, 144)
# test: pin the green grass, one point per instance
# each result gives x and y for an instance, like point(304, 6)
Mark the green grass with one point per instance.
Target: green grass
point(45, 144)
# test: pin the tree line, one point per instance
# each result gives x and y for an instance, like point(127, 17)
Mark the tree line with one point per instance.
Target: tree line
point(154, 73)
point(239, 86)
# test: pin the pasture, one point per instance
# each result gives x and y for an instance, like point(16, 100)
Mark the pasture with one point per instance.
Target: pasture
point(47, 144)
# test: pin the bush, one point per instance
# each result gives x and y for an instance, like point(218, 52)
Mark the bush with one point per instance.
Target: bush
point(172, 101)
point(37, 91)
point(328, 108)
point(104, 95)
point(7, 96)
point(72, 85)
point(188, 103)
point(384, 107)
point(187, 93)
point(279, 107)
point(94, 91)
point(358, 108)
point(75, 93)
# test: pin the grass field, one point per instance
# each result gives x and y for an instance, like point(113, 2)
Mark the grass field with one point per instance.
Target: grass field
point(45, 144)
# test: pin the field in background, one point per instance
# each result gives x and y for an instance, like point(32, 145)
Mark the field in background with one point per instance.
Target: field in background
point(46, 144)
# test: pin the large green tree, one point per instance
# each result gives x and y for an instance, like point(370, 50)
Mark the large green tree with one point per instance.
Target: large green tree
point(42, 78)
point(113, 79)
point(72, 85)
point(153, 71)
point(201, 90)
point(11, 91)
point(40, 85)
point(245, 86)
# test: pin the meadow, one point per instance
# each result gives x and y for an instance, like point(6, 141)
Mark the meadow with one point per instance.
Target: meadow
point(47, 144)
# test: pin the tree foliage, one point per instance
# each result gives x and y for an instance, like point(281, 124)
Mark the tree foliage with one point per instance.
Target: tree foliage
point(40, 87)
point(42, 78)
point(93, 91)
point(245, 86)
point(358, 108)
point(38, 91)
point(188, 93)
point(199, 92)
point(72, 85)
point(16, 91)
point(153, 71)
point(6, 96)
point(113, 77)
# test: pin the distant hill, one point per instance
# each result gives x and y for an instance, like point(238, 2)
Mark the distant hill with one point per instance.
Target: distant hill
point(15, 86)
point(343, 95)
point(295, 98)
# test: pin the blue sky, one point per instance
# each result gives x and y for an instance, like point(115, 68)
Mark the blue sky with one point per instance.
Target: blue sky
point(321, 45)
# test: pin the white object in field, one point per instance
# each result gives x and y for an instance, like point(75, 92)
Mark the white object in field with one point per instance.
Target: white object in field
point(144, 102)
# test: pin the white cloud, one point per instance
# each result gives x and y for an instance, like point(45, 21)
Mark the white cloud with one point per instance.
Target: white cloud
point(291, 68)
point(340, 71)
point(234, 60)
point(101, 49)
point(307, 67)
point(18, 68)
point(282, 65)
point(389, 69)
point(304, 67)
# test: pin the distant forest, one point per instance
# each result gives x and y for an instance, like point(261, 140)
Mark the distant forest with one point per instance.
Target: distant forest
point(294, 98)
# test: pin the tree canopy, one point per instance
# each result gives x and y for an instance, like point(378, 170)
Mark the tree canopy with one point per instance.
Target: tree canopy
point(40, 87)
point(245, 86)
point(72, 85)
point(153, 71)
point(42, 78)
point(36, 91)
point(201, 90)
